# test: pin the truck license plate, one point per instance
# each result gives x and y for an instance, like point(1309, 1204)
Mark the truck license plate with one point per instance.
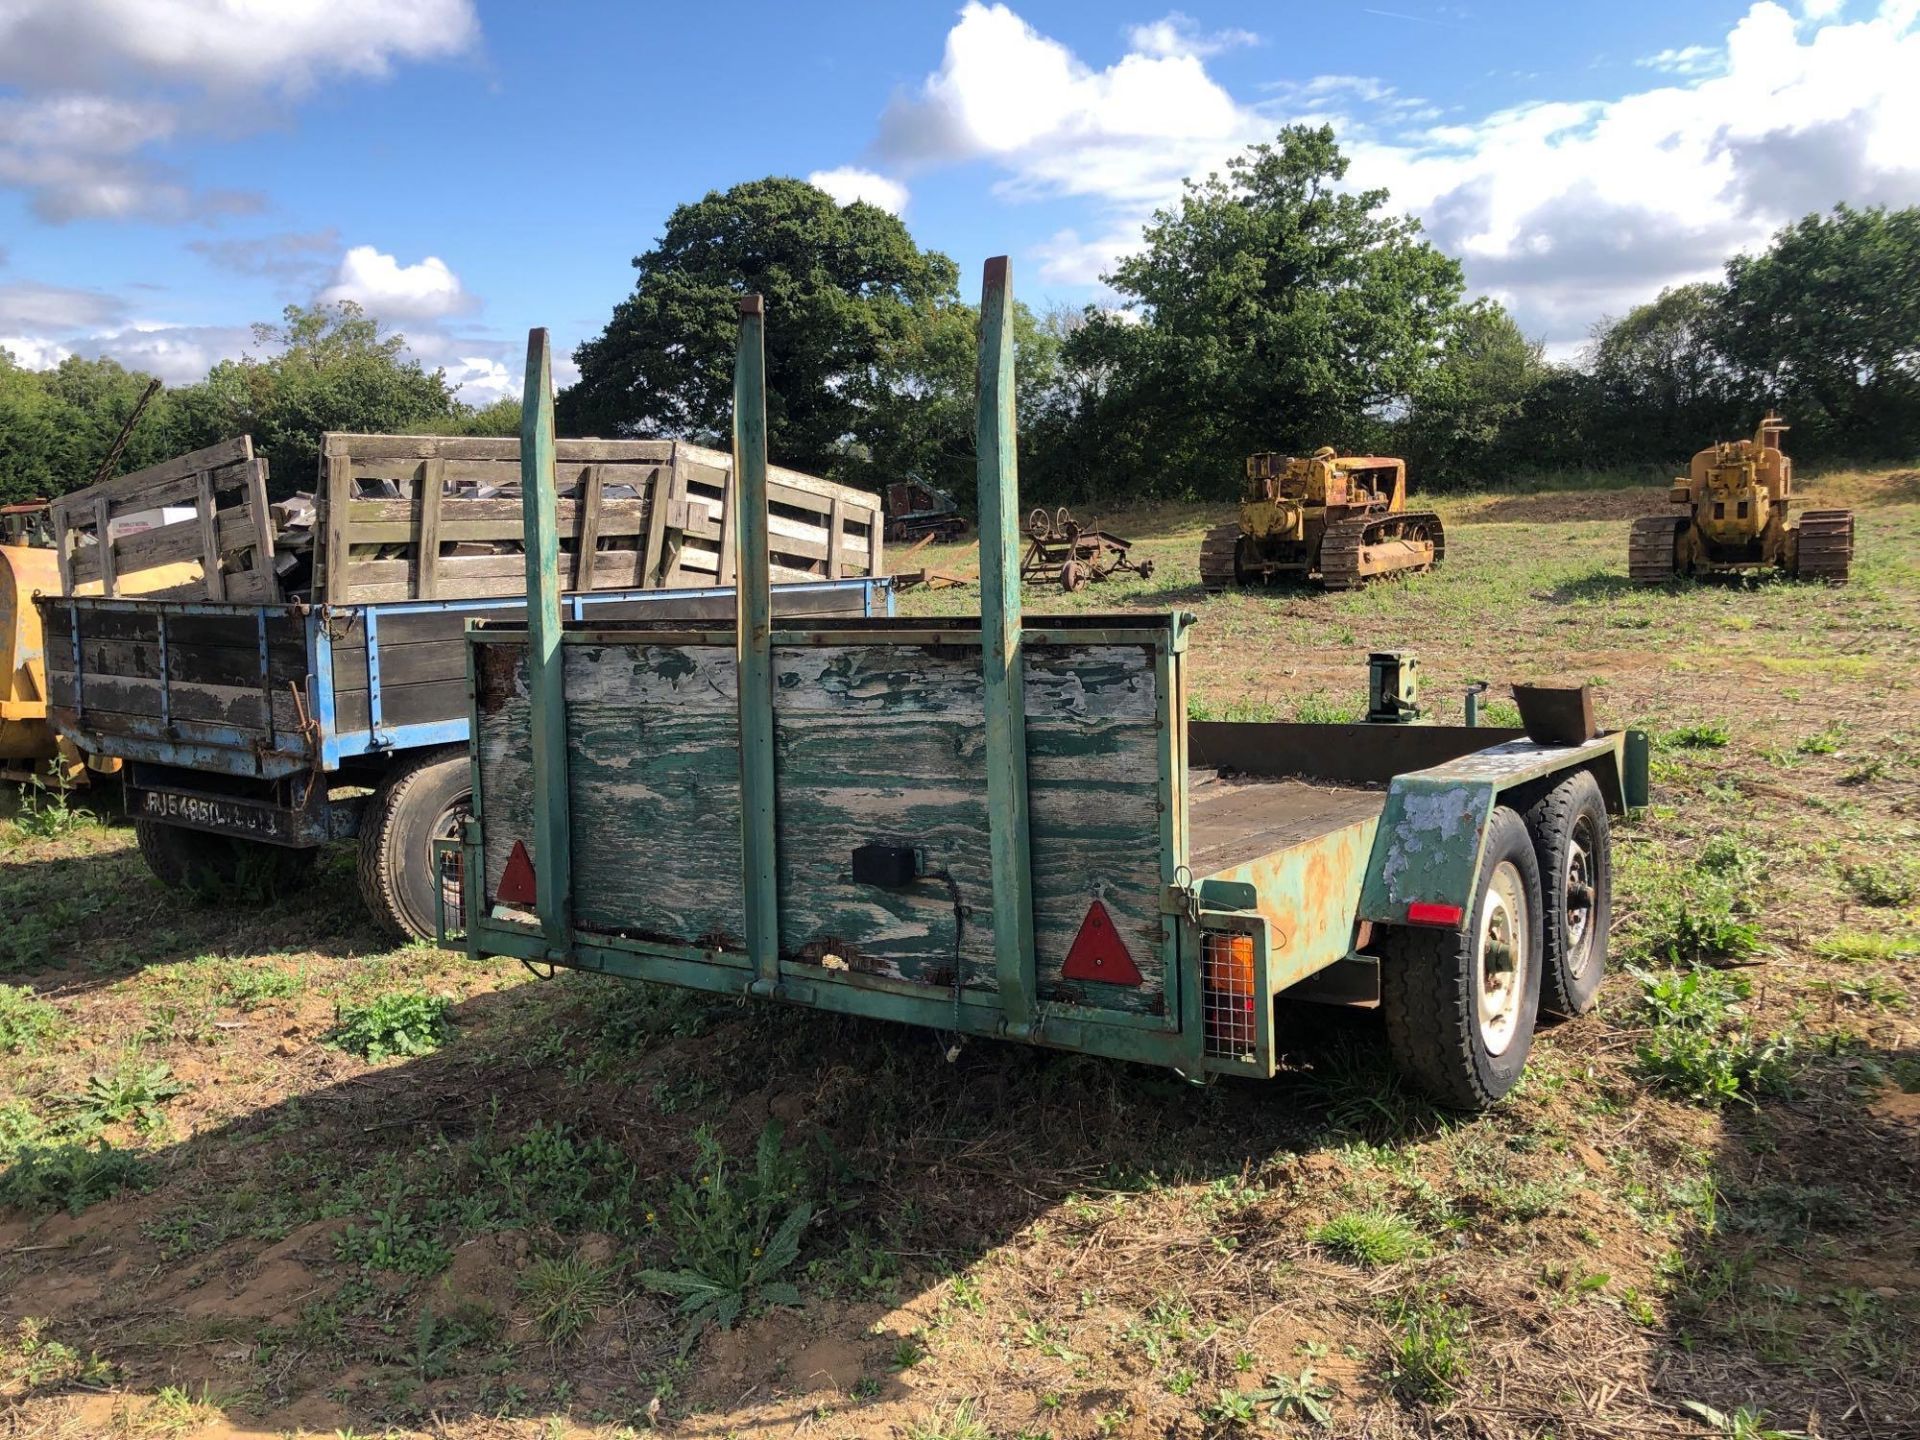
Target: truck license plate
point(206, 812)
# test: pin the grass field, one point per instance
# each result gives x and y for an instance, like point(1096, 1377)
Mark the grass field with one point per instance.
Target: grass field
point(260, 1174)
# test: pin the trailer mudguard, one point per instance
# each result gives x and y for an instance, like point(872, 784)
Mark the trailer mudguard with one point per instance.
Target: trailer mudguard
point(1433, 829)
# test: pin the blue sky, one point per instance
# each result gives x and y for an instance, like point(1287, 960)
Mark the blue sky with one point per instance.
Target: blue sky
point(172, 170)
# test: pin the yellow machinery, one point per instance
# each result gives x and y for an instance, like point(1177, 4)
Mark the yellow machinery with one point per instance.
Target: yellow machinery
point(1739, 499)
point(27, 743)
point(28, 563)
point(1340, 519)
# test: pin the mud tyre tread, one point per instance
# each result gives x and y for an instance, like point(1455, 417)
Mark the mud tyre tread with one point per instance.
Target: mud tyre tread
point(1427, 990)
point(398, 824)
point(212, 867)
point(1567, 987)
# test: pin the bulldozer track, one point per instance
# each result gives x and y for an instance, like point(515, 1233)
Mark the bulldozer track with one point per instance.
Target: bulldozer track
point(1218, 569)
point(1825, 547)
point(1650, 549)
point(1340, 547)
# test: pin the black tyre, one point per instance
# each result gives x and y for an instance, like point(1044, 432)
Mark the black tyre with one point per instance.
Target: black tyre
point(1574, 845)
point(220, 867)
point(422, 800)
point(1459, 1005)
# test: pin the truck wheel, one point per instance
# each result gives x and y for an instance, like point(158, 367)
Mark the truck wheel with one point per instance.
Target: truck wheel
point(423, 799)
point(1571, 838)
point(1459, 1005)
point(220, 867)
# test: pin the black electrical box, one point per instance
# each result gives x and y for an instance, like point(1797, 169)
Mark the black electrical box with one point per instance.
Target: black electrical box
point(888, 866)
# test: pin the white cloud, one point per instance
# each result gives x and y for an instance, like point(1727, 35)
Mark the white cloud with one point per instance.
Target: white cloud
point(1178, 33)
point(1685, 60)
point(33, 353)
point(28, 307)
point(390, 291)
point(1565, 210)
point(1066, 259)
point(101, 82)
point(848, 183)
point(224, 44)
point(303, 258)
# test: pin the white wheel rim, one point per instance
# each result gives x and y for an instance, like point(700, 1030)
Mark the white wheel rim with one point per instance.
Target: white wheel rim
point(1500, 958)
point(1579, 896)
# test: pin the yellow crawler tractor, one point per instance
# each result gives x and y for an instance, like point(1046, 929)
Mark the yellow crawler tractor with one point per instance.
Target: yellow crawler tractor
point(1739, 499)
point(1340, 519)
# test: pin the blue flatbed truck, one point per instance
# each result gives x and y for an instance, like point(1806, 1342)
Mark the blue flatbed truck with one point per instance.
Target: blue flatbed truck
point(1005, 825)
point(254, 732)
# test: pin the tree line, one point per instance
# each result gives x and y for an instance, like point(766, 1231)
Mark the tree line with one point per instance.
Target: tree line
point(1270, 308)
point(328, 367)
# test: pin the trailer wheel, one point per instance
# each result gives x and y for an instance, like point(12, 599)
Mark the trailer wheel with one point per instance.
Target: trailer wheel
point(220, 867)
point(1460, 1005)
point(423, 799)
point(1572, 839)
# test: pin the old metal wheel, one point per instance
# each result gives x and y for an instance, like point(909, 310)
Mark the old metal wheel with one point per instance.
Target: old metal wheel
point(426, 797)
point(1501, 958)
point(1575, 845)
point(1071, 576)
point(1459, 1005)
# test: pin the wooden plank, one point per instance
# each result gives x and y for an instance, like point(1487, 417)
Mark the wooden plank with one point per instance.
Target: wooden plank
point(335, 516)
point(479, 577)
point(193, 664)
point(835, 520)
point(487, 447)
point(432, 487)
point(778, 478)
point(875, 542)
point(209, 539)
point(238, 628)
point(102, 528)
point(430, 702)
point(728, 534)
point(588, 543)
point(244, 707)
point(262, 513)
point(170, 544)
point(669, 489)
point(161, 484)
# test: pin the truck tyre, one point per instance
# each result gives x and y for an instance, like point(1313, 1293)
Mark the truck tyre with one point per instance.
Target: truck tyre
point(1572, 841)
point(1459, 1004)
point(220, 867)
point(423, 799)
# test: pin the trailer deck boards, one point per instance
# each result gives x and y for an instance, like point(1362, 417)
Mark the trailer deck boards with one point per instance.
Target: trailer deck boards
point(1245, 818)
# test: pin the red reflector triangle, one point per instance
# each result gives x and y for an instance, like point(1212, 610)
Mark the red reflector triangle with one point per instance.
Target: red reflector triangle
point(516, 881)
point(1098, 952)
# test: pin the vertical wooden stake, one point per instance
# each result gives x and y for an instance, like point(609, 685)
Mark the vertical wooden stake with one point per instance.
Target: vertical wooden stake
point(551, 839)
point(753, 643)
point(1001, 653)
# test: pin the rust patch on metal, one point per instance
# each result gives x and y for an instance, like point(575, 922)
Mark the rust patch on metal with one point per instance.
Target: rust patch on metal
point(497, 673)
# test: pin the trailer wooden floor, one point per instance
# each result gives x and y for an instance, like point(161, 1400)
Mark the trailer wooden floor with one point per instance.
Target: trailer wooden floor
point(1232, 821)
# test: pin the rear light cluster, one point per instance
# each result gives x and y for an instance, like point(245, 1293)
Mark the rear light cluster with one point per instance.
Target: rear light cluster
point(1227, 995)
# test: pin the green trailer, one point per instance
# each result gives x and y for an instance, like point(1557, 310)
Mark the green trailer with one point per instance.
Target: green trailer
point(1007, 826)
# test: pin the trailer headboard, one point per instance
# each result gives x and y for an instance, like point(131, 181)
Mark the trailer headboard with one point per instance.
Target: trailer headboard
point(879, 739)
